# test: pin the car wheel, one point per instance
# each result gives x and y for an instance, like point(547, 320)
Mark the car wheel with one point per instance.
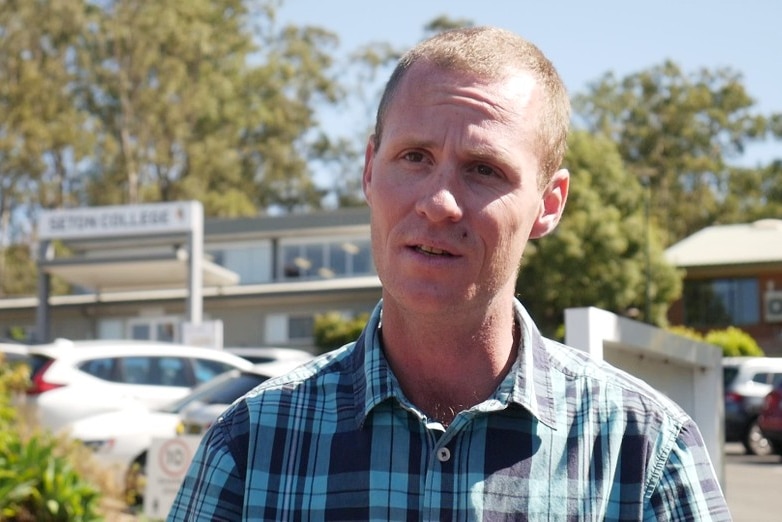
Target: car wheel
point(755, 442)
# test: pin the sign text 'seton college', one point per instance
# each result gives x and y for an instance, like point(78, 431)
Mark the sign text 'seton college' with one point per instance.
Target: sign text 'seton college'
point(124, 220)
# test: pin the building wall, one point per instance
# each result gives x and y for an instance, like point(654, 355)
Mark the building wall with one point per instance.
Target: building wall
point(245, 318)
point(768, 334)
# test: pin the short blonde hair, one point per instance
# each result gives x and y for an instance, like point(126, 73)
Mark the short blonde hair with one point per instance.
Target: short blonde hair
point(493, 54)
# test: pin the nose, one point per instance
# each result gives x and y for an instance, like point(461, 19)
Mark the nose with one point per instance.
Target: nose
point(439, 200)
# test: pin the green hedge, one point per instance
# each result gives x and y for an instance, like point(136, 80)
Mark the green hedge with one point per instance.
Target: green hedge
point(38, 480)
point(733, 341)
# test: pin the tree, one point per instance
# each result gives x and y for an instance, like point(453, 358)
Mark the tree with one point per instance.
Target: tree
point(604, 252)
point(681, 132)
point(193, 105)
point(41, 127)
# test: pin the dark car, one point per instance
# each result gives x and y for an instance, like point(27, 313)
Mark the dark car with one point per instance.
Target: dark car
point(770, 418)
point(747, 381)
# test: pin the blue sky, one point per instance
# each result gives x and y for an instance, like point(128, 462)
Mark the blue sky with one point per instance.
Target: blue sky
point(587, 38)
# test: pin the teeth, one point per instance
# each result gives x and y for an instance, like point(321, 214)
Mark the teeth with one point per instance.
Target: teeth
point(433, 251)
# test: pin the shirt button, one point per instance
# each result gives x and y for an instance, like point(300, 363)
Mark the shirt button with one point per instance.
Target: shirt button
point(443, 454)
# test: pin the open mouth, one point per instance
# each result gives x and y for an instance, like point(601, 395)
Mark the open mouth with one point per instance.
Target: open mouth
point(431, 251)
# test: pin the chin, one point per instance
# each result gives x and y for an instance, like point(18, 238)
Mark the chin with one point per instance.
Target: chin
point(426, 300)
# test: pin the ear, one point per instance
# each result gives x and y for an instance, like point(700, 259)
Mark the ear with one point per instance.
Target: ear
point(366, 177)
point(552, 204)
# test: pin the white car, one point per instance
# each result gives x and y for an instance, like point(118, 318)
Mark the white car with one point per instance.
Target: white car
point(265, 354)
point(196, 419)
point(71, 380)
point(121, 439)
point(12, 353)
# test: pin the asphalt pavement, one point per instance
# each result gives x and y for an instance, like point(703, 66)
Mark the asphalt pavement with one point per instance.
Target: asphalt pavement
point(753, 485)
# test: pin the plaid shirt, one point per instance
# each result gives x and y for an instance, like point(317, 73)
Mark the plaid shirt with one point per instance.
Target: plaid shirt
point(563, 438)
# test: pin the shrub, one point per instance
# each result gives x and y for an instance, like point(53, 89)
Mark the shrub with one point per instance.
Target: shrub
point(38, 480)
point(689, 333)
point(734, 342)
point(332, 330)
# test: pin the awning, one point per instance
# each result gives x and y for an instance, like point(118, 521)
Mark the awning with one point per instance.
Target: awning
point(136, 273)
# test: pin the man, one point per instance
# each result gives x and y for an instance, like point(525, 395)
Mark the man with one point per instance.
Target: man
point(451, 405)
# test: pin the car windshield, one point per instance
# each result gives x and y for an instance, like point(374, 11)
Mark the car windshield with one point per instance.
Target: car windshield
point(223, 389)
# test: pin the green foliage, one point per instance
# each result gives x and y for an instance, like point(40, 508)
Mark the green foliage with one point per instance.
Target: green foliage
point(734, 342)
point(597, 256)
point(38, 480)
point(333, 330)
point(682, 132)
point(685, 331)
point(35, 481)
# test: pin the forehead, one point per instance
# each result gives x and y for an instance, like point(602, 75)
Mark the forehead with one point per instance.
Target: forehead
point(500, 97)
point(434, 101)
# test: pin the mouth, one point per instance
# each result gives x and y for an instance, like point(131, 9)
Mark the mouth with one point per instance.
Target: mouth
point(431, 251)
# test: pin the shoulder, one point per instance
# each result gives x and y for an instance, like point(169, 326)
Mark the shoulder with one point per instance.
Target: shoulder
point(325, 378)
point(579, 370)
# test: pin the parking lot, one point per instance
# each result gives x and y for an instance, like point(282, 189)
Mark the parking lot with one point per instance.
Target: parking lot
point(753, 485)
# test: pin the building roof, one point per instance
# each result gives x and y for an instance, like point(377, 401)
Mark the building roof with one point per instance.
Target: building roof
point(724, 245)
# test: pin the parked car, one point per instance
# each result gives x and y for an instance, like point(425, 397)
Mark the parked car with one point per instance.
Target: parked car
point(196, 419)
point(263, 354)
point(770, 418)
point(747, 381)
point(13, 352)
point(75, 379)
point(121, 439)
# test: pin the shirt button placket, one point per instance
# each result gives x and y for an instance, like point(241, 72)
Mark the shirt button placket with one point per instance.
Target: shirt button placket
point(443, 454)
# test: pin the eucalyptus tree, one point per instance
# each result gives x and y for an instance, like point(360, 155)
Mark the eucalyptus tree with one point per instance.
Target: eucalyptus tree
point(605, 252)
point(207, 100)
point(684, 135)
point(42, 129)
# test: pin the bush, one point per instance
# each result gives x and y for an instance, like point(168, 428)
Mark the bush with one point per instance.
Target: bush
point(734, 342)
point(38, 480)
point(38, 484)
point(332, 330)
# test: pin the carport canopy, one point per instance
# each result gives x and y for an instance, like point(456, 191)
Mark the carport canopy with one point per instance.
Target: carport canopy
point(126, 274)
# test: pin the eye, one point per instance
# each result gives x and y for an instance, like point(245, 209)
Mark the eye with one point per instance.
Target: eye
point(414, 157)
point(485, 170)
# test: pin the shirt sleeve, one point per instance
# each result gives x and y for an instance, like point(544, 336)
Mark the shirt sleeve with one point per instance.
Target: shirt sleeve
point(213, 488)
point(688, 488)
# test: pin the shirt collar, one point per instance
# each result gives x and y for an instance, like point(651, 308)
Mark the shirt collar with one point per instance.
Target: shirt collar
point(529, 378)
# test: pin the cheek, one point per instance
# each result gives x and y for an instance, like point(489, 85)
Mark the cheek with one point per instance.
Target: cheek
point(512, 232)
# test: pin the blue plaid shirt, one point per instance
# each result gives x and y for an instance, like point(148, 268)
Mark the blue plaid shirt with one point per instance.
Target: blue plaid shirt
point(564, 437)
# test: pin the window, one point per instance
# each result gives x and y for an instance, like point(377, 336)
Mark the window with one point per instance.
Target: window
point(136, 370)
point(312, 259)
point(155, 371)
point(300, 327)
point(286, 329)
point(164, 329)
point(252, 262)
point(722, 302)
point(170, 372)
point(100, 368)
point(206, 369)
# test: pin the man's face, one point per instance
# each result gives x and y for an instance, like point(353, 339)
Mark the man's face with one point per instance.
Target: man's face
point(453, 189)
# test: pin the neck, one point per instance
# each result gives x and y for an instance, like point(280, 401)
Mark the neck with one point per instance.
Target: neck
point(447, 364)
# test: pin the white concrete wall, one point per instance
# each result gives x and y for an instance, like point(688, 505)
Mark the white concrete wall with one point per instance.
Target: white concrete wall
point(687, 371)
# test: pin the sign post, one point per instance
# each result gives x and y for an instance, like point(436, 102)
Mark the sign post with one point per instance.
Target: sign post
point(177, 217)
